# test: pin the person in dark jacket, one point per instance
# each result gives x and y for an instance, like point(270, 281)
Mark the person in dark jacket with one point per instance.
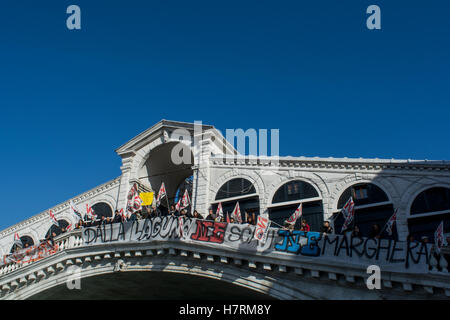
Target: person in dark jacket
point(326, 228)
point(375, 231)
point(356, 233)
point(210, 215)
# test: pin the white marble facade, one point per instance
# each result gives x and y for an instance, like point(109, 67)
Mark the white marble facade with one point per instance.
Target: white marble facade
point(216, 162)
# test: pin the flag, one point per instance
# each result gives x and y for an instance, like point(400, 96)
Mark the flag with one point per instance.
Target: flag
point(350, 212)
point(236, 214)
point(439, 239)
point(297, 214)
point(262, 226)
point(228, 218)
point(178, 205)
point(75, 211)
point(132, 198)
point(391, 222)
point(185, 201)
point(180, 223)
point(52, 218)
point(69, 227)
point(90, 212)
point(161, 194)
point(219, 212)
point(137, 204)
point(121, 213)
point(348, 208)
point(147, 198)
point(17, 240)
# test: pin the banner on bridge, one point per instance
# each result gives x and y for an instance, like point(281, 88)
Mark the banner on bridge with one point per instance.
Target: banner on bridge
point(389, 255)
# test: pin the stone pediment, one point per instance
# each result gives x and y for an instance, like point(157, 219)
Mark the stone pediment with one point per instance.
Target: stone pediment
point(164, 129)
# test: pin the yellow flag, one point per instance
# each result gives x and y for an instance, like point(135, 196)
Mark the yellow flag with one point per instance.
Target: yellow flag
point(147, 198)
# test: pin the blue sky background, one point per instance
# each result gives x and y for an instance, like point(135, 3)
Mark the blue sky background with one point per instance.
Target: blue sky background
point(312, 69)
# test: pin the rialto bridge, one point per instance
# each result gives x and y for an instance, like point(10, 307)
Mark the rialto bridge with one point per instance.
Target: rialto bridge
point(223, 259)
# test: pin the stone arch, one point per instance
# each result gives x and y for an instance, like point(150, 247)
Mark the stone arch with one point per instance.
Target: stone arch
point(412, 193)
point(383, 184)
point(253, 177)
point(105, 203)
point(310, 178)
point(272, 287)
point(22, 236)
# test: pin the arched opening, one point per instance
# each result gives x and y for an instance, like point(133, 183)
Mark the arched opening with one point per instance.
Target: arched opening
point(372, 206)
point(27, 241)
point(287, 199)
point(102, 209)
point(428, 210)
point(152, 285)
point(237, 190)
point(57, 230)
point(160, 167)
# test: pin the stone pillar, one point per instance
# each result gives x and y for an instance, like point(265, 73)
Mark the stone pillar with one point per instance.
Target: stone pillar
point(201, 173)
point(124, 187)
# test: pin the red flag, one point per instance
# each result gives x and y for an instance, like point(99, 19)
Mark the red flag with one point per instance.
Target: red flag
point(178, 205)
point(17, 240)
point(53, 219)
point(236, 214)
point(391, 222)
point(348, 208)
point(439, 239)
point(261, 227)
point(349, 213)
point(219, 211)
point(180, 223)
point(185, 201)
point(228, 218)
point(161, 194)
point(297, 214)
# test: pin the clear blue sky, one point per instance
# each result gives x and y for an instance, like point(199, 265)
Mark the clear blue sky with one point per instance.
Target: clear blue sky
point(310, 68)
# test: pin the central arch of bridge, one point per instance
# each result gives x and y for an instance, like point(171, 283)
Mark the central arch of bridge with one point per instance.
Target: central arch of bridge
point(159, 167)
point(151, 285)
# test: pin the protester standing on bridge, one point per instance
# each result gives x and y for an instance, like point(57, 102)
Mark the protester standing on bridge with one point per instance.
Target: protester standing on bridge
point(356, 233)
point(210, 215)
point(375, 231)
point(326, 228)
point(304, 226)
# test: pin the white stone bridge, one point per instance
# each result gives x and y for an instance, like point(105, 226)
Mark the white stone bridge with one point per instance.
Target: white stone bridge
point(166, 267)
point(236, 262)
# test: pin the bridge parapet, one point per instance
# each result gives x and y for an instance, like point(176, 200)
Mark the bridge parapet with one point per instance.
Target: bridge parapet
point(282, 275)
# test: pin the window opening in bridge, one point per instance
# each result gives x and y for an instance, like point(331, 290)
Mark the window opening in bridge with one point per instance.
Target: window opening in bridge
point(428, 210)
point(26, 242)
point(56, 231)
point(287, 199)
point(238, 190)
point(372, 207)
point(102, 209)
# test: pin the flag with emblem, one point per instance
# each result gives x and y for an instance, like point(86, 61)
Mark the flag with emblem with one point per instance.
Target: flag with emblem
point(75, 211)
point(439, 239)
point(219, 212)
point(185, 201)
point(391, 222)
point(161, 194)
point(297, 214)
point(17, 240)
point(348, 208)
point(349, 214)
point(236, 214)
point(52, 218)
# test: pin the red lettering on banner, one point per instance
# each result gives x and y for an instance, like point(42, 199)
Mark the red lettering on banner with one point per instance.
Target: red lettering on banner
point(204, 228)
